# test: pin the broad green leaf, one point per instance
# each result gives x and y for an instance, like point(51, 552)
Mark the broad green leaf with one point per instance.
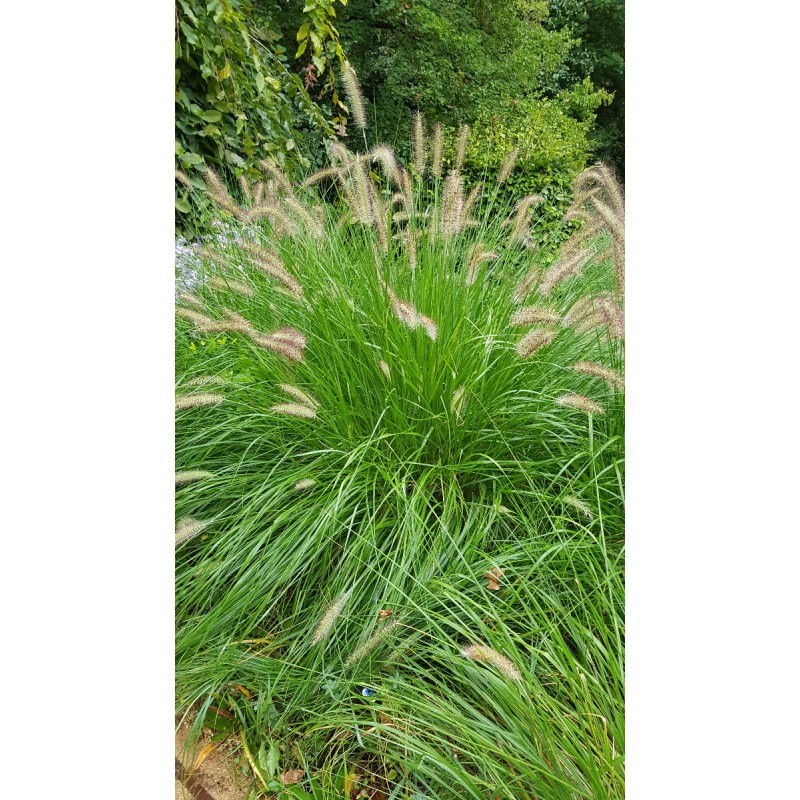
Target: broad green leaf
point(303, 32)
point(191, 158)
point(225, 72)
point(212, 116)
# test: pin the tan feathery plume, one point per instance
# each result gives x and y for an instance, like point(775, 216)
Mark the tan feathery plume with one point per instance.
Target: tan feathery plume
point(452, 204)
point(533, 341)
point(206, 380)
point(594, 320)
point(270, 263)
point(305, 483)
point(282, 223)
point(603, 179)
point(526, 285)
point(610, 376)
point(281, 347)
point(367, 647)
point(385, 155)
point(183, 402)
point(409, 240)
point(612, 315)
point(507, 165)
point(484, 653)
point(568, 267)
point(183, 178)
point(477, 255)
point(582, 506)
point(472, 198)
point(362, 194)
point(234, 286)
point(329, 617)
point(278, 175)
point(224, 326)
point(429, 325)
point(290, 335)
point(461, 147)
point(299, 395)
point(245, 186)
point(520, 218)
point(418, 143)
point(294, 410)
point(309, 221)
point(192, 316)
point(384, 368)
point(352, 89)
point(188, 297)
point(216, 190)
point(580, 310)
point(381, 224)
point(191, 475)
point(258, 191)
point(188, 528)
point(580, 402)
point(532, 315)
point(613, 220)
point(437, 148)
point(458, 402)
point(319, 175)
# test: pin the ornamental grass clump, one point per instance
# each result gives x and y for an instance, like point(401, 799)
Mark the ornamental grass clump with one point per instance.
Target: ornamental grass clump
point(390, 424)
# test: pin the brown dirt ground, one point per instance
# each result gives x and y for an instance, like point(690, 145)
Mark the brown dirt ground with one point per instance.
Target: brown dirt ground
point(218, 777)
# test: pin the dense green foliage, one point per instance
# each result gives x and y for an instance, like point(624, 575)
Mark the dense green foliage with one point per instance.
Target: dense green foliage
point(400, 494)
point(600, 27)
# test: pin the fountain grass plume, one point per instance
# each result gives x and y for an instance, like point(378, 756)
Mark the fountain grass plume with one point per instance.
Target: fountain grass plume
point(187, 528)
point(507, 166)
point(227, 284)
point(533, 341)
point(299, 395)
point(364, 649)
point(462, 140)
point(437, 149)
point(418, 151)
point(581, 403)
point(328, 619)
point(191, 475)
point(611, 376)
point(486, 654)
point(533, 315)
point(294, 410)
point(183, 402)
point(352, 89)
point(475, 257)
point(569, 266)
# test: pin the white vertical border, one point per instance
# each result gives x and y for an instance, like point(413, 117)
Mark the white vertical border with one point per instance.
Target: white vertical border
point(712, 443)
point(712, 425)
point(87, 365)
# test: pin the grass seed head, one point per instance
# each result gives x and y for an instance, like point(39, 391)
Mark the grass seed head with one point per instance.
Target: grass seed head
point(298, 395)
point(610, 376)
point(187, 528)
point(183, 402)
point(508, 164)
point(364, 649)
point(533, 341)
point(532, 315)
point(352, 89)
point(294, 410)
point(461, 147)
point(191, 475)
point(305, 483)
point(329, 618)
point(437, 148)
point(418, 151)
point(581, 403)
point(486, 654)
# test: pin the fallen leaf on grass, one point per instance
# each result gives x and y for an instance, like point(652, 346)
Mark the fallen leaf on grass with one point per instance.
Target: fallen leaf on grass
point(204, 753)
point(385, 612)
point(493, 577)
point(292, 776)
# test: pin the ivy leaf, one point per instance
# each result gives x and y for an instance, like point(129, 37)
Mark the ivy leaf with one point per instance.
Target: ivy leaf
point(212, 116)
point(190, 35)
point(191, 159)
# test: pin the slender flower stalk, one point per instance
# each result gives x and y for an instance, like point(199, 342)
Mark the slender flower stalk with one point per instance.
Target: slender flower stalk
point(581, 505)
point(570, 266)
point(532, 315)
point(364, 649)
point(437, 148)
point(418, 143)
point(183, 402)
point(461, 147)
point(191, 475)
point(476, 256)
point(329, 617)
point(507, 166)
point(187, 528)
point(352, 89)
point(581, 403)
point(294, 410)
point(484, 653)
point(610, 376)
point(299, 395)
point(533, 341)
point(234, 286)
